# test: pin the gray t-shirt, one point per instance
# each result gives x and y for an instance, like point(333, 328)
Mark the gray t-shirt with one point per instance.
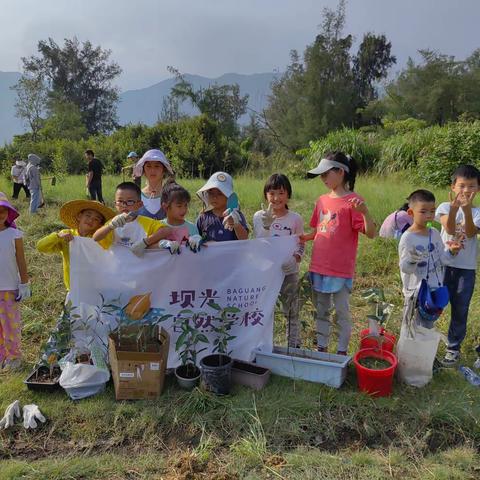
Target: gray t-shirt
point(467, 257)
point(413, 273)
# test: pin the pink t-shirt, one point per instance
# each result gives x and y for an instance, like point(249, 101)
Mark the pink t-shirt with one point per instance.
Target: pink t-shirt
point(336, 240)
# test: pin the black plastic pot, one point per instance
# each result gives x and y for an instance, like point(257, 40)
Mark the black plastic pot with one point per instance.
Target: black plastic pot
point(217, 373)
point(33, 384)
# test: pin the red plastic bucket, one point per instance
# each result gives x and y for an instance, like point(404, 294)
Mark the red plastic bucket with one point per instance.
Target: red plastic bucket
point(373, 342)
point(377, 383)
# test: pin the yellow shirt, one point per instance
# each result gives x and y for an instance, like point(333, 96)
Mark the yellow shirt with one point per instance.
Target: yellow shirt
point(142, 227)
point(54, 244)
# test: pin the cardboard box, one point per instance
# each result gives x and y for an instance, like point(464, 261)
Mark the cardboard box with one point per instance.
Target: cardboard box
point(138, 375)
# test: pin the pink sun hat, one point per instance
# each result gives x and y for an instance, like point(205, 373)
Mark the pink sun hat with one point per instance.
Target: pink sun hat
point(12, 213)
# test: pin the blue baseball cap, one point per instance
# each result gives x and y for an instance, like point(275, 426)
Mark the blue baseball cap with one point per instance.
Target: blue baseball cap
point(132, 155)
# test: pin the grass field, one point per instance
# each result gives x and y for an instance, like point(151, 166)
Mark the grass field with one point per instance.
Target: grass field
point(290, 430)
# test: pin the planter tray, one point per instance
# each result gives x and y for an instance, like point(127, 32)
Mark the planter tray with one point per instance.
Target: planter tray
point(35, 385)
point(300, 364)
point(249, 374)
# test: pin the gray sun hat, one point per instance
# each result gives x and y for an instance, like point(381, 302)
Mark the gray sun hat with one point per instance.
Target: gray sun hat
point(324, 166)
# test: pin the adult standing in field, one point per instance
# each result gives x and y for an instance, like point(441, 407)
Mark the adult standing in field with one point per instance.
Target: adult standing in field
point(34, 182)
point(94, 176)
point(18, 177)
point(132, 159)
point(155, 166)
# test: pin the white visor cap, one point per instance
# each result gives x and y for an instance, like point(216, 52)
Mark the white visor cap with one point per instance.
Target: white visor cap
point(221, 180)
point(324, 166)
point(153, 155)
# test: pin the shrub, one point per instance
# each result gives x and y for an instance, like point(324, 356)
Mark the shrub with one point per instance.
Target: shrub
point(454, 144)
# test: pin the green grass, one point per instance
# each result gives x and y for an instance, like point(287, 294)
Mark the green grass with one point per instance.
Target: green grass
point(291, 429)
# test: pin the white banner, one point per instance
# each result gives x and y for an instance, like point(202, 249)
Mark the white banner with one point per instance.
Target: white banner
point(244, 274)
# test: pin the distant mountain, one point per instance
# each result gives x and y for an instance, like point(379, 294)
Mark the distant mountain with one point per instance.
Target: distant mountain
point(9, 123)
point(143, 105)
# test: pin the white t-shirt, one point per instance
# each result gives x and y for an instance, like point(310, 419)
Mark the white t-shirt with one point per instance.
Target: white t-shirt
point(290, 224)
point(9, 277)
point(413, 273)
point(467, 257)
point(129, 234)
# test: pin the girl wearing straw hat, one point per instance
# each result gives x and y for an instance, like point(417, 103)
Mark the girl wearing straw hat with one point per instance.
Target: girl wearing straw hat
point(83, 218)
point(14, 286)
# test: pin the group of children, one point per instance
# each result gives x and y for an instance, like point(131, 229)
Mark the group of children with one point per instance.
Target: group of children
point(152, 218)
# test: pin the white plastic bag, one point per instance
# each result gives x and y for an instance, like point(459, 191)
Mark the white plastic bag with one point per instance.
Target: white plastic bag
point(416, 351)
point(80, 380)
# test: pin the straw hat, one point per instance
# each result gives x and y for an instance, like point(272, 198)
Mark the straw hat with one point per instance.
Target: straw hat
point(70, 210)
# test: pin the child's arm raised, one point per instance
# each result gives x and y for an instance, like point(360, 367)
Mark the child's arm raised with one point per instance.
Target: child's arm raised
point(449, 222)
point(116, 222)
point(361, 207)
point(466, 203)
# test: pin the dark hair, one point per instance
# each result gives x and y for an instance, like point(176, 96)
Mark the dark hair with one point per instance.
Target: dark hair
point(466, 171)
point(276, 182)
point(403, 208)
point(89, 152)
point(420, 196)
point(349, 162)
point(132, 187)
point(173, 192)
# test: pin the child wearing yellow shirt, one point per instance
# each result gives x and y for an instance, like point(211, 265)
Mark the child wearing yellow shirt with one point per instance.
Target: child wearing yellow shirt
point(83, 218)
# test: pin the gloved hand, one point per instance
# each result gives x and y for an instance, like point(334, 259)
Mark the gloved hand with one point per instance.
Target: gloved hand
point(171, 245)
point(138, 248)
point(267, 216)
point(290, 266)
point(31, 413)
point(24, 292)
point(232, 218)
point(415, 256)
point(119, 221)
point(195, 242)
point(12, 411)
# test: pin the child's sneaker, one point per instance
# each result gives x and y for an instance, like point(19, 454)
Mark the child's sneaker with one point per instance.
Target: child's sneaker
point(451, 358)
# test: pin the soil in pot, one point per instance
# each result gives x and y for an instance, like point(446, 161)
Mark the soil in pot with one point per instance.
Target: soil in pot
point(374, 363)
point(41, 380)
point(85, 359)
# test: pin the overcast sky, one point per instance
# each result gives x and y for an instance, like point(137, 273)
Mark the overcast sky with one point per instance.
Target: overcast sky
point(212, 37)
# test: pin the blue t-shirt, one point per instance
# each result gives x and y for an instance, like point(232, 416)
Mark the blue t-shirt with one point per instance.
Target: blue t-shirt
point(211, 227)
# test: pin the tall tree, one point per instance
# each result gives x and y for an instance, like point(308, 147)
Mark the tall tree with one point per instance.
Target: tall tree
point(221, 103)
point(81, 74)
point(323, 91)
point(31, 102)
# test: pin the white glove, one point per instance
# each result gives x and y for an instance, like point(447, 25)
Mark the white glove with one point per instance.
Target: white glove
point(477, 363)
point(171, 245)
point(235, 216)
point(24, 292)
point(267, 216)
point(195, 242)
point(138, 248)
point(290, 266)
point(31, 413)
point(12, 411)
point(119, 221)
point(415, 256)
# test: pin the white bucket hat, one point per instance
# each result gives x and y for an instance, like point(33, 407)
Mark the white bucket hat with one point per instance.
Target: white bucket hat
point(221, 180)
point(153, 155)
point(324, 166)
point(34, 159)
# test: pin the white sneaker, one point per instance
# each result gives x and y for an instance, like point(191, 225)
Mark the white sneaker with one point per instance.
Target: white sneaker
point(451, 358)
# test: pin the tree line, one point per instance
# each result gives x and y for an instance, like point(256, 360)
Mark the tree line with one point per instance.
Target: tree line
point(67, 93)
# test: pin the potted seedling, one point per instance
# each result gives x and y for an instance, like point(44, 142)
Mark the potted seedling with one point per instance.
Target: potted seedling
point(216, 368)
point(188, 373)
point(46, 374)
point(138, 350)
point(375, 336)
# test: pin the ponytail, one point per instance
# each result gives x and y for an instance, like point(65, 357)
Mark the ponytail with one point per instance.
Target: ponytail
point(349, 162)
